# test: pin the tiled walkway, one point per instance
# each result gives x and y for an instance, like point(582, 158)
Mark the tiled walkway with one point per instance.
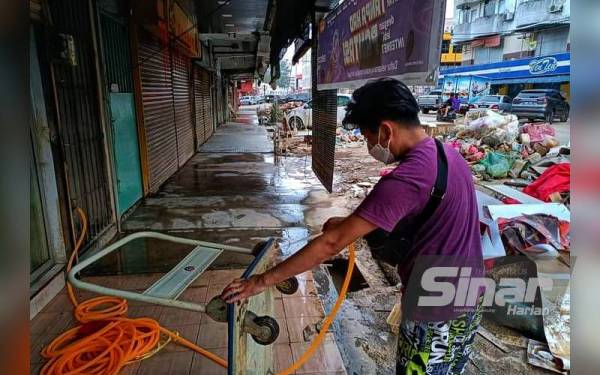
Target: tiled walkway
point(293, 313)
point(236, 195)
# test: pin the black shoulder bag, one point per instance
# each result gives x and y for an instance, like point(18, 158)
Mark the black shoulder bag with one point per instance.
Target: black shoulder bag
point(396, 246)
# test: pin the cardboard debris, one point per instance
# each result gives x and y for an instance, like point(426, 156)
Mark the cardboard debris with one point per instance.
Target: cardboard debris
point(538, 354)
point(393, 320)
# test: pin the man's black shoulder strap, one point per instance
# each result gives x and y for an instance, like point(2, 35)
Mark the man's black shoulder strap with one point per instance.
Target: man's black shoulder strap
point(439, 188)
point(437, 192)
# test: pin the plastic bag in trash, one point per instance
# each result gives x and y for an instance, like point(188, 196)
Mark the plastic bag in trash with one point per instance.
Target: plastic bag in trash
point(496, 165)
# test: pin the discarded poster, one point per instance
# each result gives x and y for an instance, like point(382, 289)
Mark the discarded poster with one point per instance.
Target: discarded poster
point(365, 39)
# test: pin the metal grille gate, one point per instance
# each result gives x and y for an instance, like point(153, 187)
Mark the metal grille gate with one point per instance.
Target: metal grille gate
point(324, 122)
point(79, 125)
point(117, 55)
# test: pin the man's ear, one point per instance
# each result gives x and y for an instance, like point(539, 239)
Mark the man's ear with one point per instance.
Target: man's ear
point(386, 129)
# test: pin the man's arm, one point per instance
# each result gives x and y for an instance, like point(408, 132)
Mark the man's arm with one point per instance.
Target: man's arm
point(325, 246)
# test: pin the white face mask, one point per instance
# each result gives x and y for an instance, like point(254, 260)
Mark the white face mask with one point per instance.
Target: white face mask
point(380, 153)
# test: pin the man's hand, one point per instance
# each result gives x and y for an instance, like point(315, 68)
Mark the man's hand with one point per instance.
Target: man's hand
point(332, 222)
point(240, 289)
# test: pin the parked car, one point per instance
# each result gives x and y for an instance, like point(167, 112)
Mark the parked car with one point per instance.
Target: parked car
point(430, 102)
point(301, 117)
point(247, 100)
point(500, 103)
point(260, 99)
point(546, 104)
point(300, 97)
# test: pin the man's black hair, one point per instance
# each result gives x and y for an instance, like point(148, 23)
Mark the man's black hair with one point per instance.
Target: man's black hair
point(452, 95)
point(380, 100)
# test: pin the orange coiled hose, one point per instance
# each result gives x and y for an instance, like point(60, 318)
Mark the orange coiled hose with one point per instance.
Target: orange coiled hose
point(106, 340)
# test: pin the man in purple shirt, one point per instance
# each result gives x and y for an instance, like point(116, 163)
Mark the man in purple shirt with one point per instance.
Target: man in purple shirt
point(434, 338)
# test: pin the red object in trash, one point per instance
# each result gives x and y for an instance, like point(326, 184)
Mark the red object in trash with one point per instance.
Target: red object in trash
point(557, 178)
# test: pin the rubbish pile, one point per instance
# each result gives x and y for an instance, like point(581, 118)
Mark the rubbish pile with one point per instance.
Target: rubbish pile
point(529, 243)
point(346, 137)
point(497, 146)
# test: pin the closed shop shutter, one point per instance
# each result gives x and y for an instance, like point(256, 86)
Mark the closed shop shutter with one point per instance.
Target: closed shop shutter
point(207, 102)
point(198, 107)
point(158, 107)
point(183, 107)
point(203, 105)
point(324, 122)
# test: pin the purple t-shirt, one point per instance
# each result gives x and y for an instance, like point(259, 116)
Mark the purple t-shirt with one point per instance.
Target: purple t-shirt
point(451, 236)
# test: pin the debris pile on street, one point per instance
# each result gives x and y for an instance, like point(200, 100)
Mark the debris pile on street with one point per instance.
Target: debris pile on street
point(345, 137)
point(497, 146)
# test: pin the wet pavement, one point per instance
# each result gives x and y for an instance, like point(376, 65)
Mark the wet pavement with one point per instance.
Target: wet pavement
point(233, 191)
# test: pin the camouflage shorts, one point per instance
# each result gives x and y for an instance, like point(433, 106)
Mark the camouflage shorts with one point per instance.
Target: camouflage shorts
point(436, 348)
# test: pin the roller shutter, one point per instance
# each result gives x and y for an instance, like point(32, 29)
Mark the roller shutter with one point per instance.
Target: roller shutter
point(324, 124)
point(207, 102)
point(183, 107)
point(158, 107)
point(203, 105)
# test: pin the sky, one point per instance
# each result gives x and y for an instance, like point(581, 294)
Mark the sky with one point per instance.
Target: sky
point(449, 8)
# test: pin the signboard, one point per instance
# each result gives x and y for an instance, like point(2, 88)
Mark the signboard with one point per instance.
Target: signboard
point(545, 65)
point(184, 30)
point(162, 18)
point(366, 39)
point(466, 86)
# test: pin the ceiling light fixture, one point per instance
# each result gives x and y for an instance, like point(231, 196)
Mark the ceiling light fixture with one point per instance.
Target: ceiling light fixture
point(226, 15)
point(229, 25)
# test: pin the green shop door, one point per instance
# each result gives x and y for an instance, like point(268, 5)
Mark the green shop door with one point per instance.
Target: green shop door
point(126, 150)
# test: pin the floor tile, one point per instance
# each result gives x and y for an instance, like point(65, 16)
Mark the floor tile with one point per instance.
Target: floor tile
point(282, 356)
point(223, 276)
point(188, 332)
point(296, 326)
point(171, 316)
point(296, 307)
point(59, 303)
point(146, 311)
point(36, 345)
point(214, 290)
point(212, 335)
point(130, 369)
point(194, 294)
point(204, 366)
point(172, 363)
point(202, 280)
point(35, 368)
point(325, 359)
point(284, 336)
point(52, 323)
point(306, 288)
point(278, 308)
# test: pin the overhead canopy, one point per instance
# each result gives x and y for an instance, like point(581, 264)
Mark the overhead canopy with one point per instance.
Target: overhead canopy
point(539, 69)
point(245, 36)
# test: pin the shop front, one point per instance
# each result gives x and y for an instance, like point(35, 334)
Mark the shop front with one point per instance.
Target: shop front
point(510, 77)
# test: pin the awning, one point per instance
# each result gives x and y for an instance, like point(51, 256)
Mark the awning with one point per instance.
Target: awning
point(543, 79)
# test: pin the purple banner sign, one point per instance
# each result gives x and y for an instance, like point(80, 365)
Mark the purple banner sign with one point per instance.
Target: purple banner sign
point(365, 39)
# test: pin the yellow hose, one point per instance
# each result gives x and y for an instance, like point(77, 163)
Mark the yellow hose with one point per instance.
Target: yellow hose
point(317, 341)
